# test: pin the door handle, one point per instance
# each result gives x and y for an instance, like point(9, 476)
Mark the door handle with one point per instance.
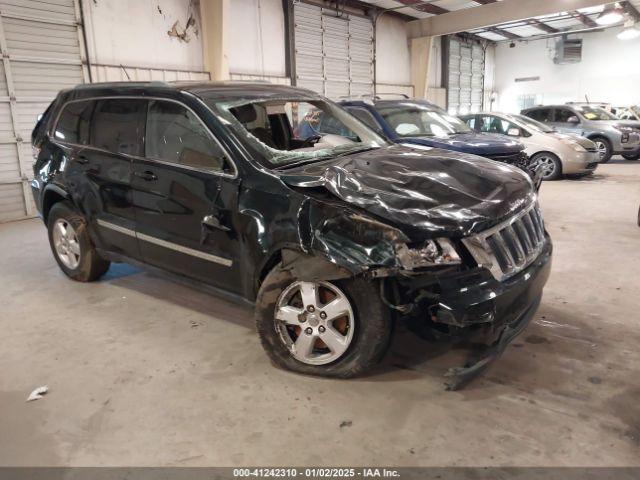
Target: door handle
point(146, 175)
point(212, 221)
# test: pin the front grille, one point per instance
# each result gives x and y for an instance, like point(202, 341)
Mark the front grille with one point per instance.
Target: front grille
point(591, 149)
point(511, 246)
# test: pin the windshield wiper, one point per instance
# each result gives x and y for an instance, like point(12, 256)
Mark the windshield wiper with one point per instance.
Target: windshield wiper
point(355, 150)
point(324, 157)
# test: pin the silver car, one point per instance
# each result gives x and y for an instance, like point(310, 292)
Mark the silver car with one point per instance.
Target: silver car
point(557, 153)
point(611, 135)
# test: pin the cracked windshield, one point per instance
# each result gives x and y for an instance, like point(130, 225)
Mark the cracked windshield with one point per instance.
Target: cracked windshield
point(291, 131)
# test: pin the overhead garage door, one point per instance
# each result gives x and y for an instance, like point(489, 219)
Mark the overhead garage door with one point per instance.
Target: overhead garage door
point(41, 55)
point(465, 76)
point(333, 53)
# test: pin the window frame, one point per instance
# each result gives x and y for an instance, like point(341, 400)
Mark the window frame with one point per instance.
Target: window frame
point(54, 127)
point(543, 109)
point(378, 129)
point(224, 157)
point(557, 110)
point(233, 173)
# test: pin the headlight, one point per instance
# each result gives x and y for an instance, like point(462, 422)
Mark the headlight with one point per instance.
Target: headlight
point(577, 147)
point(429, 254)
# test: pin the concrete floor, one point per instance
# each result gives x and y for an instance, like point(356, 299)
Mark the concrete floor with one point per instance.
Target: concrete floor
point(145, 371)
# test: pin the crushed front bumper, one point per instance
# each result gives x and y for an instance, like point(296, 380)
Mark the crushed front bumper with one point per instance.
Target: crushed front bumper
point(476, 297)
point(474, 303)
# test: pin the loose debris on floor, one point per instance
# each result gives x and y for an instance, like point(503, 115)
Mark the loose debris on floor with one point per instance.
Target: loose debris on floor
point(38, 393)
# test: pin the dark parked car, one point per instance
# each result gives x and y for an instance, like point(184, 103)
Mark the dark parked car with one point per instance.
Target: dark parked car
point(332, 237)
point(418, 122)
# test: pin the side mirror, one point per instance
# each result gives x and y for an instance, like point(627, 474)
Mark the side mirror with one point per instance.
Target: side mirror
point(573, 119)
point(513, 132)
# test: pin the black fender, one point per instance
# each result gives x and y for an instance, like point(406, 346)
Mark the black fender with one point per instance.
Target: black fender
point(52, 194)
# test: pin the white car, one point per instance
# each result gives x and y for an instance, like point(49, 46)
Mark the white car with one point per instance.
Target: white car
point(628, 113)
point(559, 154)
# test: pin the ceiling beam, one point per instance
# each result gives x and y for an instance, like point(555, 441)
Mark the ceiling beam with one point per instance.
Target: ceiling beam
point(586, 21)
point(631, 10)
point(492, 14)
point(504, 33)
point(423, 6)
point(543, 26)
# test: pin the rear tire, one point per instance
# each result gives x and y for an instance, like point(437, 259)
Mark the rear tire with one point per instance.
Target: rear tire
point(71, 245)
point(631, 156)
point(604, 148)
point(367, 332)
point(552, 166)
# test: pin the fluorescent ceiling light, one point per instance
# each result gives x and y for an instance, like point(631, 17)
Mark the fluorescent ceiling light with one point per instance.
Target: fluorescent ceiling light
point(610, 15)
point(629, 33)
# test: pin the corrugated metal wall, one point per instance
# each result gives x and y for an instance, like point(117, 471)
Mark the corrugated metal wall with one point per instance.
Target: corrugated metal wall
point(333, 54)
point(465, 76)
point(124, 73)
point(41, 43)
point(41, 48)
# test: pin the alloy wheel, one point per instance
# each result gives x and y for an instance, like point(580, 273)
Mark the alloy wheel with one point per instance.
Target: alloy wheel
point(315, 321)
point(548, 165)
point(601, 148)
point(65, 241)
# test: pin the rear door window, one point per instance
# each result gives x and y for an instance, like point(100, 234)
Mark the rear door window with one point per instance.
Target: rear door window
point(74, 122)
point(563, 114)
point(471, 121)
point(541, 114)
point(491, 124)
point(175, 134)
point(118, 125)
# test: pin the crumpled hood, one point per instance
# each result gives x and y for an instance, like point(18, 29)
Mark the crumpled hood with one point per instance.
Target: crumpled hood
point(475, 143)
point(434, 191)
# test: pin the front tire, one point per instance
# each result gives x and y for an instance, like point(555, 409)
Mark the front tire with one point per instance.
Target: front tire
point(551, 165)
point(631, 156)
point(333, 329)
point(604, 149)
point(71, 245)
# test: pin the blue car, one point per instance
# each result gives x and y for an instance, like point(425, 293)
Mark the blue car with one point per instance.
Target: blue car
point(418, 122)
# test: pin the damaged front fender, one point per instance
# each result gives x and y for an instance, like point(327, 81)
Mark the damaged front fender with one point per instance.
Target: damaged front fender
point(357, 243)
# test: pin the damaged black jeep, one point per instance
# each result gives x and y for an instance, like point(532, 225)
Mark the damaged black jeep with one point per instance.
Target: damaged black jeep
point(334, 237)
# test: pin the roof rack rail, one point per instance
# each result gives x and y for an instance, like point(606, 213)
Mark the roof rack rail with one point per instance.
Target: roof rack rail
point(403, 95)
point(371, 96)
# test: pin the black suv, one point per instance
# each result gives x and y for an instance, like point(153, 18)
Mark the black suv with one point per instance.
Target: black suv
point(332, 237)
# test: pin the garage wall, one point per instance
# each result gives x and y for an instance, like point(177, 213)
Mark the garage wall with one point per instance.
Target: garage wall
point(609, 72)
point(135, 34)
point(256, 38)
point(393, 60)
point(42, 54)
point(251, 58)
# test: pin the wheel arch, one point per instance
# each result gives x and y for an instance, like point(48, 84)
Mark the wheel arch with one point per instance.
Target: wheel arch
point(305, 266)
point(52, 194)
point(593, 136)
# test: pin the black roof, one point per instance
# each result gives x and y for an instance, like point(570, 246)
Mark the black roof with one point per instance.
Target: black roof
point(229, 90)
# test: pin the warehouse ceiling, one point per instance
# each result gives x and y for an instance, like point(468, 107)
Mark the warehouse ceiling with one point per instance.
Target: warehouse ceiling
point(561, 22)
